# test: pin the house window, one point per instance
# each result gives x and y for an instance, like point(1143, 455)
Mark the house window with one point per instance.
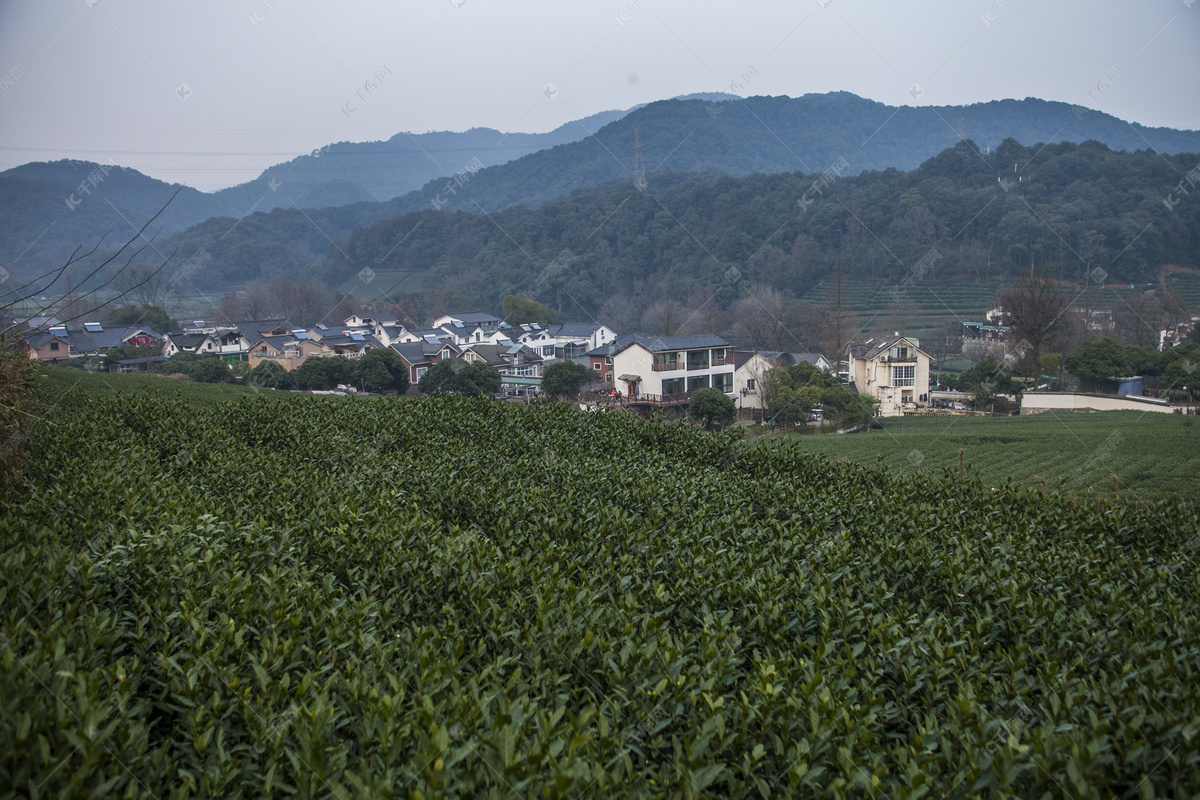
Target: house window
point(54, 347)
point(664, 362)
point(697, 359)
point(421, 372)
point(904, 376)
point(596, 366)
point(750, 384)
point(672, 386)
point(608, 360)
point(900, 353)
point(720, 358)
point(723, 381)
point(548, 350)
point(697, 382)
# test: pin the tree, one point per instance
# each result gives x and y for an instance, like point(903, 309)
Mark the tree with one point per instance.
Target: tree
point(712, 407)
point(453, 375)
point(269, 375)
point(1138, 320)
point(211, 370)
point(178, 364)
point(520, 310)
point(382, 369)
point(664, 318)
point(945, 342)
point(146, 286)
point(985, 380)
point(1095, 360)
point(1034, 308)
point(564, 378)
point(765, 320)
point(323, 372)
point(152, 317)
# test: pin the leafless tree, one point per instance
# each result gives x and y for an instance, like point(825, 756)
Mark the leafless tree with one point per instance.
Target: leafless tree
point(82, 296)
point(145, 286)
point(1034, 309)
point(1139, 319)
point(257, 304)
point(664, 318)
point(767, 320)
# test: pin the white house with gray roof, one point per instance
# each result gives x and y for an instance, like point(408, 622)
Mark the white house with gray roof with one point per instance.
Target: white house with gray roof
point(662, 366)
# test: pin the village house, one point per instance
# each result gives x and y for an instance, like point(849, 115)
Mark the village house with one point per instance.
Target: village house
point(520, 368)
point(750, 377)
point(600, 361)
point(197, 343)
point(420, 355)
point(487, 322)
point(288, 351)
point(892, 369)
point(672, 366)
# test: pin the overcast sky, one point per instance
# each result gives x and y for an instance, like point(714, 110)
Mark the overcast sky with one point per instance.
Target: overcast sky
point(210, 93)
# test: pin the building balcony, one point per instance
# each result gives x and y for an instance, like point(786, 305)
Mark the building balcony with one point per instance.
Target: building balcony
point(693, 367)
point(670, 366)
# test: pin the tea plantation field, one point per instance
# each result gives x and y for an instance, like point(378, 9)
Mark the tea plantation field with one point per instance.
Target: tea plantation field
point(293, 596)
point(1154, 456)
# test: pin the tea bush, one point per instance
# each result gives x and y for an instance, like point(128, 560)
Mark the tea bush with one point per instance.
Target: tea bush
point(450, 596)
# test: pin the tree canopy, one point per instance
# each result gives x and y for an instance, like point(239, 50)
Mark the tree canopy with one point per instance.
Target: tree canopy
point(151, 317)
point(456, 376)
point(564, 378)
point(381, 370)
point(712, 407)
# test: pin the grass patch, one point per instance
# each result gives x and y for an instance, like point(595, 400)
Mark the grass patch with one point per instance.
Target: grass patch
point(1154, 456)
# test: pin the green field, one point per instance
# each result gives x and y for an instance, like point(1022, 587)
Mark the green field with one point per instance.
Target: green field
point(59, 384)
point(296, 596)
point(927, 305)
point(1154, 456)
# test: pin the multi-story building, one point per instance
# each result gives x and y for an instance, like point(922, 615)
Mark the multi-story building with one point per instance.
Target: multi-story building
point(672, 366)
point(892, 369)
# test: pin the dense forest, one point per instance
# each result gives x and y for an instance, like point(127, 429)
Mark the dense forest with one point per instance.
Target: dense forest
point(964, 214)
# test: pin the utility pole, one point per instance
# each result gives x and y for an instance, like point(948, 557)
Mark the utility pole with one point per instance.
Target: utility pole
point(837, 357)
point(639, 164)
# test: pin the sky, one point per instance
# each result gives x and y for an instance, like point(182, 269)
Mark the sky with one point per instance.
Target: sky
point(211, 93)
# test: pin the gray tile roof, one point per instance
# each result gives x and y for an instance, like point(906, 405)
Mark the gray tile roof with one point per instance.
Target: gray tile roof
point(662, 344)
point(874, 346)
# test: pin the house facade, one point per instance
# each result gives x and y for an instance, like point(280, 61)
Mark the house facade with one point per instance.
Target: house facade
point(749, 379)
point(892, 369)
point(672, 366)
point(288, 351)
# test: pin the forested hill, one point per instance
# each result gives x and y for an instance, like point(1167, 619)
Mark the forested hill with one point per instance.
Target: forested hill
point(783, 134)
point(728, 135)
point(1077, 207)
point(45, 197)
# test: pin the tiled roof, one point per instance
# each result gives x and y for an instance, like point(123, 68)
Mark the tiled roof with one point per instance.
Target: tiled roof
point(660, 344)
point(874, 346)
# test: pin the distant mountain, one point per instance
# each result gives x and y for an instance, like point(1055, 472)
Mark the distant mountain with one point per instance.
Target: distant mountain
point(718, 133)
point(44, 198)
point(408, 161)
point(809, 134)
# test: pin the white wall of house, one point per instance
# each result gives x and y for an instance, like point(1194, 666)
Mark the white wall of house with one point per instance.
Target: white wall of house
point(638, 360)
point(750, 377)
point(896, 377)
